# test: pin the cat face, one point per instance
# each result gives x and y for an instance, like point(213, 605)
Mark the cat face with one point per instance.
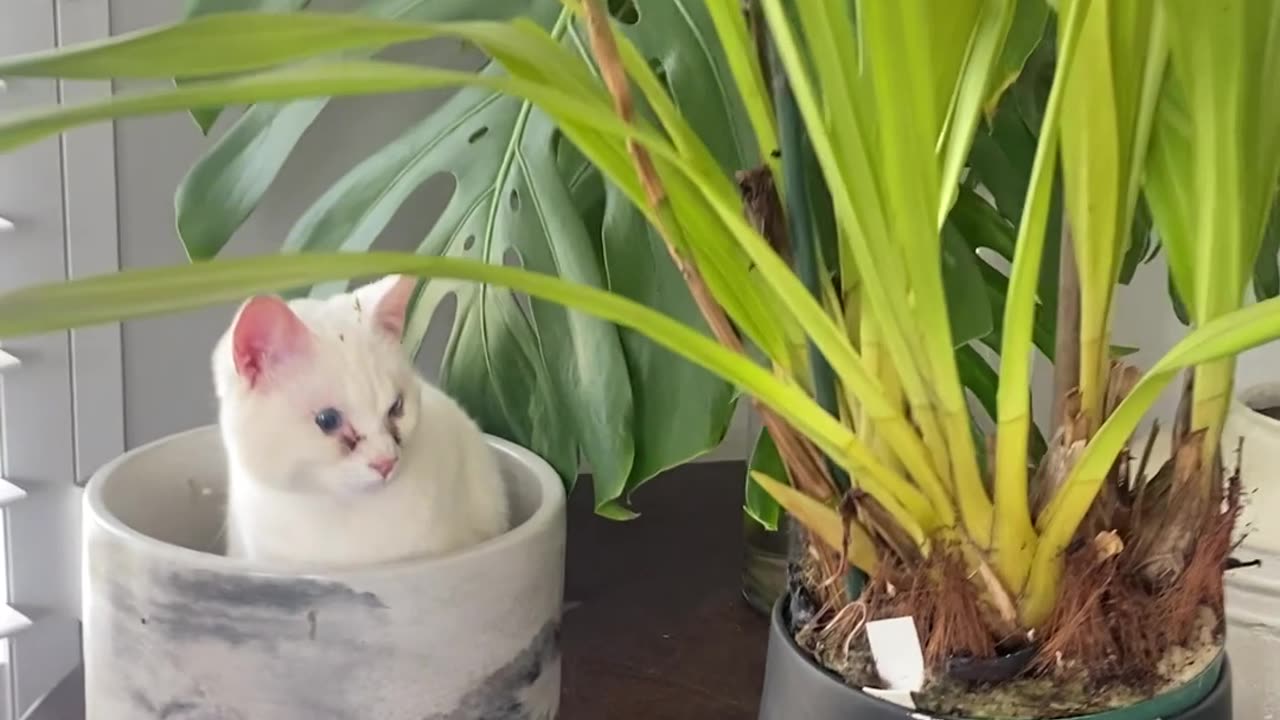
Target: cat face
point(317, 396)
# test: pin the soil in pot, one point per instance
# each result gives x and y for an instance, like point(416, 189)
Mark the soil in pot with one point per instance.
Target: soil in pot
point(1114, 640)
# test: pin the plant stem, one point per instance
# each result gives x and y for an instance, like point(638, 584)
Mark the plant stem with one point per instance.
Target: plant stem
point(1015, 537)
point(804, 242)
point(1211, 391)
point(791, 445)
point(1095, 349)
point(1066, 351)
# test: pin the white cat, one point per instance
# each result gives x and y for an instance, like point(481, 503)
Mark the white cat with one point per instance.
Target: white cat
point(339, 454)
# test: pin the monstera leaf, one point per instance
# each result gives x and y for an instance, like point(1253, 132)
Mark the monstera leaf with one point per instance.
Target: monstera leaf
point(206, 117)
point(564, 385)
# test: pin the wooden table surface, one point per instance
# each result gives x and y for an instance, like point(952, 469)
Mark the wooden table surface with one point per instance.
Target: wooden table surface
point(656, 627)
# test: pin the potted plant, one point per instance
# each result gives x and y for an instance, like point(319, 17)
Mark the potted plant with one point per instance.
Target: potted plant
point(174, 629)
point(1090, 583)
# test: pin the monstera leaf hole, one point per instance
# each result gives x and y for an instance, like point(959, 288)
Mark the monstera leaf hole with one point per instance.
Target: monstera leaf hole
point(625, 11)
point(443, 317)
point(511, 258)
point(659, 69)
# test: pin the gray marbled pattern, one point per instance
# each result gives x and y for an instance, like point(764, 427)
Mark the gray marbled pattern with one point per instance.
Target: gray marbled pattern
point(503, 694)
point(172, 633)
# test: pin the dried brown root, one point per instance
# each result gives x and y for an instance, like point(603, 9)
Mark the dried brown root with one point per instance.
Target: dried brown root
point(1110, 505)
point(944, 603)
point(1078, 632)
point(763, 208)
point(1111, 620)
point(1064, 448)
point(1174, 511)
point(1200, 584)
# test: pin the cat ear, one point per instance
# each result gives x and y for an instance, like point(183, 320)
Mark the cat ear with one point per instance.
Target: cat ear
point(266, 334)
point(385, 303)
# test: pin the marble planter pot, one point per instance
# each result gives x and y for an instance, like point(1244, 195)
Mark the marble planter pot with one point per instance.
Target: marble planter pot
point(175, 631)
point(1253, 593)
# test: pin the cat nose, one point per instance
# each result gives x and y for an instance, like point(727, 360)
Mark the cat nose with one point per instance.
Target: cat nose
point(383, 466)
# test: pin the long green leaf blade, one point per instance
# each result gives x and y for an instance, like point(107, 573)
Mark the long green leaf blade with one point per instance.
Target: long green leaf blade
point(139, 293)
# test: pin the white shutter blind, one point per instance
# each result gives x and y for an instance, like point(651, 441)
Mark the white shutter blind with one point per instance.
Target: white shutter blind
point(9, 493)
point(11, 621)
point(57, 201)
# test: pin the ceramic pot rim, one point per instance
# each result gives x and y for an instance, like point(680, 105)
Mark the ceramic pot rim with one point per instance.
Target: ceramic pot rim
point(548, 515)
point(1264, 392)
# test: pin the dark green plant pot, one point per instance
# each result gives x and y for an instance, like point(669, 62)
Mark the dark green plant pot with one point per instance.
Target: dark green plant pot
point(795, 687)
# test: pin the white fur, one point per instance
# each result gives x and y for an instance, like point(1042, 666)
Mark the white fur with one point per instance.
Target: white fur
point(296, 497)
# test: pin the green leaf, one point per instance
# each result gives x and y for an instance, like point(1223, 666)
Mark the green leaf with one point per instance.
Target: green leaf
point(1001, 161)
point(550, 380)
point(228, 182)
point(206, 117)
point(224, 187)
point(970, 318)
point(1140, 242)
point(139, 293)
point(1266, 274)
point(760, 505)
point(825, 522)
point(483, 141)
point(979, 378)
point(216, 44)
point(980, 226)
point(983, 382)
point(1175, 300)
point(616, 511)
point(1025, 34)
point(678, 37)
point(306, 81)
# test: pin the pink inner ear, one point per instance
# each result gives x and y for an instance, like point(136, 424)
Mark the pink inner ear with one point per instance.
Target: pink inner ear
point(267, 333)
point(390, 297)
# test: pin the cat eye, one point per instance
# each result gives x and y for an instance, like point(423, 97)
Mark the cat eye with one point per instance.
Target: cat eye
point(328, 420)
point(397, 407)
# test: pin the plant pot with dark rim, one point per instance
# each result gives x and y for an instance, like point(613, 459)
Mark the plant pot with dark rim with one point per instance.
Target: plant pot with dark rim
point(797, 687)
point(174, 630)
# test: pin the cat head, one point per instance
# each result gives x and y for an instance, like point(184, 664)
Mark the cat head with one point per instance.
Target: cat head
point(317, 396)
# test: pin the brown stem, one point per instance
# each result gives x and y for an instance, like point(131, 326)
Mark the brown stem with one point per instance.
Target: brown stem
point(1066, 343)
point(760, 34)
point(797, 451)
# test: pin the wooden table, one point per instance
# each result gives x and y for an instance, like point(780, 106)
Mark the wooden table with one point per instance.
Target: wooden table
point(656, 627)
